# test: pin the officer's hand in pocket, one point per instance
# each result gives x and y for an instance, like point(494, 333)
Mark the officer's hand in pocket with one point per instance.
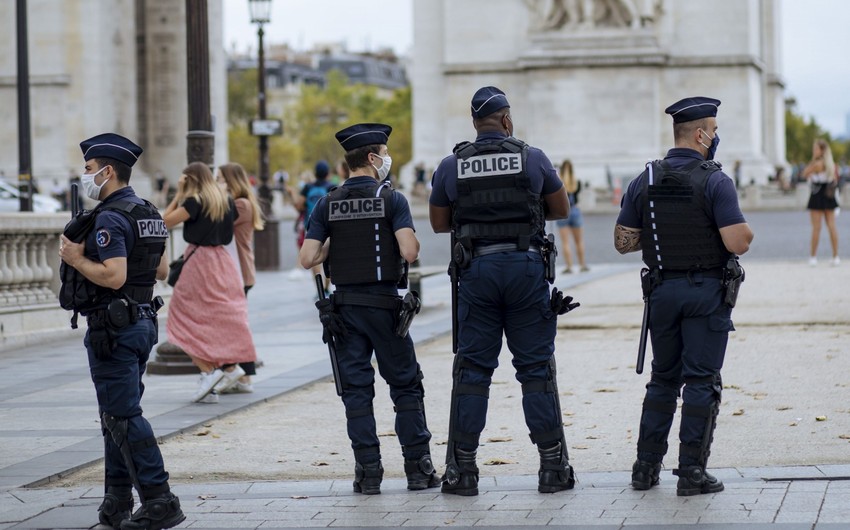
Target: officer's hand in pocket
point(561, 304)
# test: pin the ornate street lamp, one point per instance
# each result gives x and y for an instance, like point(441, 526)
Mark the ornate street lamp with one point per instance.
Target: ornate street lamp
point(260, 14)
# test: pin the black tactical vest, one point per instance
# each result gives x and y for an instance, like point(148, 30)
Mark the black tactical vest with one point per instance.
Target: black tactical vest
point(79, 294)
point(678, 231)
point(494, 202)
point(363, 246)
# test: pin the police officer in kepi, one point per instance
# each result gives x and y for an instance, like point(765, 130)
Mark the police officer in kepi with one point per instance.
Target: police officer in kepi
point(682, 213)
point(112, 257)
point(371, 241)
point(494, 196)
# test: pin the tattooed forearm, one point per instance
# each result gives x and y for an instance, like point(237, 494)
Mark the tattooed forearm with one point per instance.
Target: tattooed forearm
point(626, 239)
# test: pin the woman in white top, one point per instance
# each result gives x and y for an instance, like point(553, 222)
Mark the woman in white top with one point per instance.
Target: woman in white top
point(823, 200)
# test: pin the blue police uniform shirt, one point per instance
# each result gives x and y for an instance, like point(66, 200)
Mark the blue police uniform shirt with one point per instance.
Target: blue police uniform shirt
point(542, 174)
point(113, 235)
point(720, 194)
point(319, 226)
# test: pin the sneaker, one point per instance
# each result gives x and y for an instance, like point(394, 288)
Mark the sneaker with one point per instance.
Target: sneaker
point(585, 268)
point(836, 261)
point(813, 262)
point(567, 270)
point(211, 398)
point(207, 383)
point(239, 388)
point(229, 378)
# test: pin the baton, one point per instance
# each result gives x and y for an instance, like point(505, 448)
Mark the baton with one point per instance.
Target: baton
point(75, 201)
point(644, 329)
point(320, 288)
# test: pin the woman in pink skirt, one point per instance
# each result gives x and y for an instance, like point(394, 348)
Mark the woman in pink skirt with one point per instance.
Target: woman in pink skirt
point(248, 219)
point(208, 312)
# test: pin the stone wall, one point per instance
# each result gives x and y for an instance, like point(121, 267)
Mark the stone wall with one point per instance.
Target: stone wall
point(593, 88)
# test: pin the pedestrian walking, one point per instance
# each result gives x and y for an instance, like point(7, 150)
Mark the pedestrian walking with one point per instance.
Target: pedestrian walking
point(682, 213)
point(208, 312)
point(308, 198)
point(249, 218)
point(494, 195)
point(118, 253)
point(823, 200)
point(371, 242)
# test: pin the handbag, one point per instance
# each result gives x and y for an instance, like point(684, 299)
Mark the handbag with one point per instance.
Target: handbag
point(176, 267)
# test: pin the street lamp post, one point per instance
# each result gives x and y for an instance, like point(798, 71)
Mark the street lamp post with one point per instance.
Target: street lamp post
point(24, 138)
point(260, 14)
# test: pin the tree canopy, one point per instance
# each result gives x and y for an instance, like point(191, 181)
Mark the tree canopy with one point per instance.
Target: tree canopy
point(312, 120)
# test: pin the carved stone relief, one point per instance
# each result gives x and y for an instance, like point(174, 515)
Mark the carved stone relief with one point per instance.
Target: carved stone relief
point(552, 15)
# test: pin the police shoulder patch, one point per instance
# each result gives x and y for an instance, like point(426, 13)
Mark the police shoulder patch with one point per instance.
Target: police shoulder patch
point(103, 238)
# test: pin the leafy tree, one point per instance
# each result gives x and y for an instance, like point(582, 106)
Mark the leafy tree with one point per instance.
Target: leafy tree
point(312, 121)
point(801, 133)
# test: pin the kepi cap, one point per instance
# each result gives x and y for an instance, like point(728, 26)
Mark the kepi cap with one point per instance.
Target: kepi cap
point(695, 108)
point(363, 134)
point(488, 100)
point(111, 145)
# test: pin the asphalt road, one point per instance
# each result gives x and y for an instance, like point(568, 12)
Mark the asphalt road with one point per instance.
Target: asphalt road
point(779, 235)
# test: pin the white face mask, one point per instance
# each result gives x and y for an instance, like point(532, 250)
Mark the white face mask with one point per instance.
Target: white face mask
point(91, 189)
point(384, 170)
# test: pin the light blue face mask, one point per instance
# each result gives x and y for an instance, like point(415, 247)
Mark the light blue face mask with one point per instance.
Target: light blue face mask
point(91, 189)
point(384, 170)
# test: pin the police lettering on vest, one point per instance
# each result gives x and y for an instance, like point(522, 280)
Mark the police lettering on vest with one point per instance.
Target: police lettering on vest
point(356, 208)
point(151, 228)
point(489, 165)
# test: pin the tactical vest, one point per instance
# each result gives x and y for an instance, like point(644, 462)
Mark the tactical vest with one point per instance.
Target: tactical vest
point(363, 245)
point(678, 231)
point(494, 198)
point(79, 294)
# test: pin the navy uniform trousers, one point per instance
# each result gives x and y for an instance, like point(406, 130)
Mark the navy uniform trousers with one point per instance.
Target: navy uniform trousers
point(119, 387)
point(689, 327)
point(372, 329)
point(504, 293)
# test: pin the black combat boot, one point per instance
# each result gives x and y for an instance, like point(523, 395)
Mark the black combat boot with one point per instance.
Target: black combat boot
point(420, 473)
point(645, 474)
point(367, 478)
point(117, 505)
point(465, 478)
point(161, 509)
point(556, 473)
point(695, 480)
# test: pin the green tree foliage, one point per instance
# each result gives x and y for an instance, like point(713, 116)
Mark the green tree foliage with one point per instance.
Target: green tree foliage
point(311, 122)
point(801, 133)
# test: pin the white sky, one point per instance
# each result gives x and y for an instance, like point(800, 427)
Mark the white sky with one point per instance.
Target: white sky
point(815, 40)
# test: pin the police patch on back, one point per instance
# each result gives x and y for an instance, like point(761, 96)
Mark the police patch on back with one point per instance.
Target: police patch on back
point(489, 165)
point(356, 208)
point(151, 228)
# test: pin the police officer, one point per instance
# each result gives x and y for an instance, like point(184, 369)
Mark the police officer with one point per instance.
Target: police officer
point(682, 212)
point(119, 260)
point(371, 238)
point(494, 195)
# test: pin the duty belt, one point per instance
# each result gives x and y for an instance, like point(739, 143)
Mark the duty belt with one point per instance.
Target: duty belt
point(386, 301)
point(705, 273)
point(144, 311)
point(500, 247)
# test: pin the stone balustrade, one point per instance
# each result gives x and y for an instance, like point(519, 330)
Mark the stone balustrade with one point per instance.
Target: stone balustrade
point(29, 278)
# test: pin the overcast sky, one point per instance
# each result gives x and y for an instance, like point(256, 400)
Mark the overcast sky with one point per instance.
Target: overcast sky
point(815, 40)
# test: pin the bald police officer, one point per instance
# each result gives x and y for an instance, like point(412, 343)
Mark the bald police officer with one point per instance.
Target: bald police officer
point(494, 195)
point(682, 212)
point(118, 255)
point(371, 237)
